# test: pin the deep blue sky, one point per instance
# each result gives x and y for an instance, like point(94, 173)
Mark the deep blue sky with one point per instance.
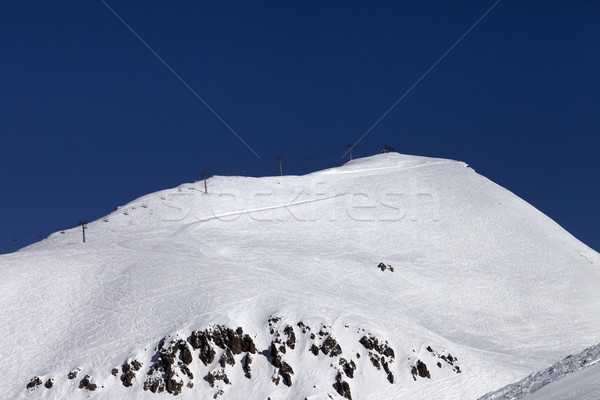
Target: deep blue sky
point(90, 119)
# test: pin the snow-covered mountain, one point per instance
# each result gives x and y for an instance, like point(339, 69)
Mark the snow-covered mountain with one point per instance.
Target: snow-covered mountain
point(389, 277)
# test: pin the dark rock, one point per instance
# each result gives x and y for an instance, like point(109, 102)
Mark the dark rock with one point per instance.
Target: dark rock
point(420, 369)
point(73, 374)
point(286, 373)
point(227, 358)
point(129, 370)
point(246, 361)
point(386, 368)
point(314, 349)
point(85, 383)
point(275, 357)
point(35, 382)
point(375, 361)
point(49, 383)
point(342, 387)
point(366, 342)
point(388, 352)
point(165, 372)
point(331, 347)
point(154, 385)
point(114, 371)
point(217, 376)
point(349, 367)
point(185, 354)
point(383, 267)
point(291, 341)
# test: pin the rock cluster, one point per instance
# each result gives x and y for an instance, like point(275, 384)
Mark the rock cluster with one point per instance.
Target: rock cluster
point(170, 367)
point(383, 267)
point(448, 358)
point(380, 354)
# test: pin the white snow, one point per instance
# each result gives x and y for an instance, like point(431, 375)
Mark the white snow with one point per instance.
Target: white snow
point(478, 273)
point(575, 377)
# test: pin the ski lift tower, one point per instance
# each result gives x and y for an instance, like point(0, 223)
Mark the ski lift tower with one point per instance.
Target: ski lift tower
point(83, 225)
point(204, 175)
point(279, 158)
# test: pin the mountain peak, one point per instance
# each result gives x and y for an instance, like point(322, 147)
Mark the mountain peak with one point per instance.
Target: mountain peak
point(391, 275)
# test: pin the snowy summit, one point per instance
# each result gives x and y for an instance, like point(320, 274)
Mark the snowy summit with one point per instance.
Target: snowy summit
point(389, 277)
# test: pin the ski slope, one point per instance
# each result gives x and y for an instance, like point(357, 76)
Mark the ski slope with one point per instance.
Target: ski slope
point(479, 275)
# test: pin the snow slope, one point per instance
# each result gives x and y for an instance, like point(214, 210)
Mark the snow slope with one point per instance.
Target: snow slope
point(483, 283)
point(575, 377)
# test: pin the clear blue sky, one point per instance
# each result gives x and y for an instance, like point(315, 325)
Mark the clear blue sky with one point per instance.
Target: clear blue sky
point(90, 119)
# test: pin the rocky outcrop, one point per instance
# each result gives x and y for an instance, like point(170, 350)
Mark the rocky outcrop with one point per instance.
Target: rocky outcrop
point(216, 351)
point(420, 369)
point(380, 354)
point(448, 359)
point(129, 369)
point(385, 267)
point(170, 370)
point(86, 383)
point(35, 382)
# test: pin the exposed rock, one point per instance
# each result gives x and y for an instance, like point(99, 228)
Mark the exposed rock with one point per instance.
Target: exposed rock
point(384, 267)
point(73, 374)
point(275, 357)
point(342, 387)
point(227, 358)
point(35, 382)
point(349, 367)
point(448, 358)
point(49, 383)
point(226, 338)
point(129, 370)
point(86, 383)
point(420, 369)
point(303, 327)
point(169, 369)
point(291, 341)
point(386, 368)
point(286, 373)
point(331, 347)
point(375, 360)
point(246, 361)
point(217, 376)
point(314, 349)
point(114, 371)
point(380, 354)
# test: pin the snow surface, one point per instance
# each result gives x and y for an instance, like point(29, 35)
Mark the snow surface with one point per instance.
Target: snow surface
point(478, 273)
point(575, 377)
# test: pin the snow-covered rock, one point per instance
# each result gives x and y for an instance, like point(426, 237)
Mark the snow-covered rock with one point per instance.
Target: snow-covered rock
point(273, 287)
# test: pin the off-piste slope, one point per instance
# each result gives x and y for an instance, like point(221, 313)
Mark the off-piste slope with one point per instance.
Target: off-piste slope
point(574, 377)
point(389, 277)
